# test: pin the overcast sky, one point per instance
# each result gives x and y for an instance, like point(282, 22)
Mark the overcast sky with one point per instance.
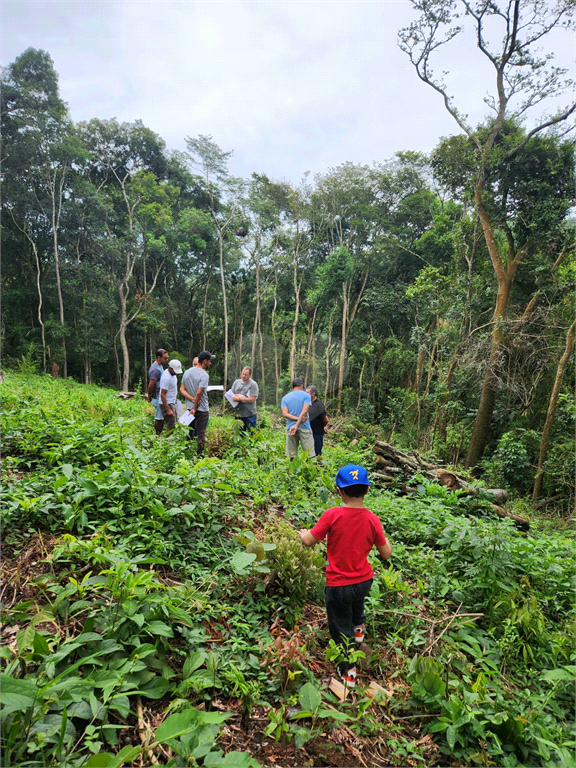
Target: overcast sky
point(289, 86)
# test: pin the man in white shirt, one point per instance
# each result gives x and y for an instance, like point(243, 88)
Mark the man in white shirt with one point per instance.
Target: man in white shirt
point(169, 393)
point(194, 388)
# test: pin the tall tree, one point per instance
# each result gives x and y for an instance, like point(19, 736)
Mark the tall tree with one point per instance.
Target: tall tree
point(222, 191)
point(127, 164)
point(38, 150)
point(523, 80)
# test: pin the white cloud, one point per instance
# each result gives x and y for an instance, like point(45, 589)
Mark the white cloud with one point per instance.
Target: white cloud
point(289, 86)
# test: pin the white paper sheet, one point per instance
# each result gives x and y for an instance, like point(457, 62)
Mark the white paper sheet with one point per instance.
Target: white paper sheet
point(215, 388)
point(228, 396)
point(187, 419)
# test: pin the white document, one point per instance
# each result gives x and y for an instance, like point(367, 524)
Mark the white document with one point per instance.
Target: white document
point(228, 395)
point(187, 419)
point(215, 388)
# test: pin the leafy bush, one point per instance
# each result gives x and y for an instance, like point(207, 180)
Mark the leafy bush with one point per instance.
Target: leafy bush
point(512, 462)
point(297, 571)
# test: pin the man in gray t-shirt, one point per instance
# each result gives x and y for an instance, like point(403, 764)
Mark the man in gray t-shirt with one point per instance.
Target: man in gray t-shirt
point(245, 393)
point(194, 388)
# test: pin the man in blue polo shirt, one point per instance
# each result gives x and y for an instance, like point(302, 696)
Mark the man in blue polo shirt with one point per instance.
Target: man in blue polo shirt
point(295, 406)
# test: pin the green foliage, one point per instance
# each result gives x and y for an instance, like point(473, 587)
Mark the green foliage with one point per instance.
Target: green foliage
point(296, 570)
point(185, 583)
point(513, 461)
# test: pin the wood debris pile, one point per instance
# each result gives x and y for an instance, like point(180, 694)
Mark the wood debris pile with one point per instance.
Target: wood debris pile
point(395, 468)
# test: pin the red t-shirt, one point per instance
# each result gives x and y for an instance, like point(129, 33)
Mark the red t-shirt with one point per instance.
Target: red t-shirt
point(351, 532)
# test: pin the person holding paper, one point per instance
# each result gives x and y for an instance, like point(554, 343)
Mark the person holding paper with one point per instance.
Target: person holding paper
point(194, 388)
point(245, 392)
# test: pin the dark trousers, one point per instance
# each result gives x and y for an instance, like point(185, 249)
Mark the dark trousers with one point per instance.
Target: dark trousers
point(345, 609)
point(318, 444)
point(249, 422)
point(198, 428)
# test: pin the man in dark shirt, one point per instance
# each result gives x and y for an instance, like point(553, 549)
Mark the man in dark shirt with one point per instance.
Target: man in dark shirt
point(153, 396)
point(318, 420)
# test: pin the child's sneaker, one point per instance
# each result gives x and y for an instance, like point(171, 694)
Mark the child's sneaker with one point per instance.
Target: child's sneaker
point(359, 633)
point(348, 676)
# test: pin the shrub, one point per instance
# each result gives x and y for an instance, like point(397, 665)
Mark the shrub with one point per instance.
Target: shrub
point(511, 463)
point(296, 570)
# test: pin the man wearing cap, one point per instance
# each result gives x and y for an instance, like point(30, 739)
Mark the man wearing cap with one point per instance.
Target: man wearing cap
point(245, 393)
point(194, 388)
point(153, 396)
point(168, 393)
point(318, 420)
point(295, 406)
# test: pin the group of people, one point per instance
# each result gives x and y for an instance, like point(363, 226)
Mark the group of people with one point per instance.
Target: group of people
point(350, 529)
point(305, 414)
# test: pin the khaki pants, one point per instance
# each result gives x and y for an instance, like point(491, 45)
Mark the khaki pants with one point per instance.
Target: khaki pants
point(304, 438)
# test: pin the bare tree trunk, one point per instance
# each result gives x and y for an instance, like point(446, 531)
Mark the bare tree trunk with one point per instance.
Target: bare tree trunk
point(204, 310)
point(272, 326)
point(240, 341)
point(25, 232)
point(56, 210)
point(292, 363)
point(327, 384)
point(488, 394)
point(310, 344)
point(345, 298)
point(537, 490)
point(224, 307)
point(360, 384)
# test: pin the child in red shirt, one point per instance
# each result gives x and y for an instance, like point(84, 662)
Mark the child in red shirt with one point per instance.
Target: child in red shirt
point(351, 531)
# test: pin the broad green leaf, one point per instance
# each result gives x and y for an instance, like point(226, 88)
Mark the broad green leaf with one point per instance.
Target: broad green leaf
point(176, 725)
point(451, 736)
point(563, 673)
point(40, 645)
point(309, 697)
point(89, 486)
point(335, 714)
point(16, 694)
point(67, 470)
point(156, 688)
point(107, 760)
point(159, 628)
point(241, 560)
point(302, 714)
point(231, 760)
point(193, 662)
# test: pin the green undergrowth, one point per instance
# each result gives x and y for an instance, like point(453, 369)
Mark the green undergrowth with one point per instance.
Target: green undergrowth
point(137, 575)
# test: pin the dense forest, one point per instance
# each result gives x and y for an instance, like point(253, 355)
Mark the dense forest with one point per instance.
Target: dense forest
point(427, 294)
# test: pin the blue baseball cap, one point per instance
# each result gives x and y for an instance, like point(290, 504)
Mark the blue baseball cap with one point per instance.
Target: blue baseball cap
point(352, 474)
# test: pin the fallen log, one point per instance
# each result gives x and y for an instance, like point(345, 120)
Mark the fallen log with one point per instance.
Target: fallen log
point(393, 465)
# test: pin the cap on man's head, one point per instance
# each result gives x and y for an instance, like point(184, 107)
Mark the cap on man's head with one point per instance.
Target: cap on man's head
point(352, 474)
point(176, 366)
point(205, 356)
